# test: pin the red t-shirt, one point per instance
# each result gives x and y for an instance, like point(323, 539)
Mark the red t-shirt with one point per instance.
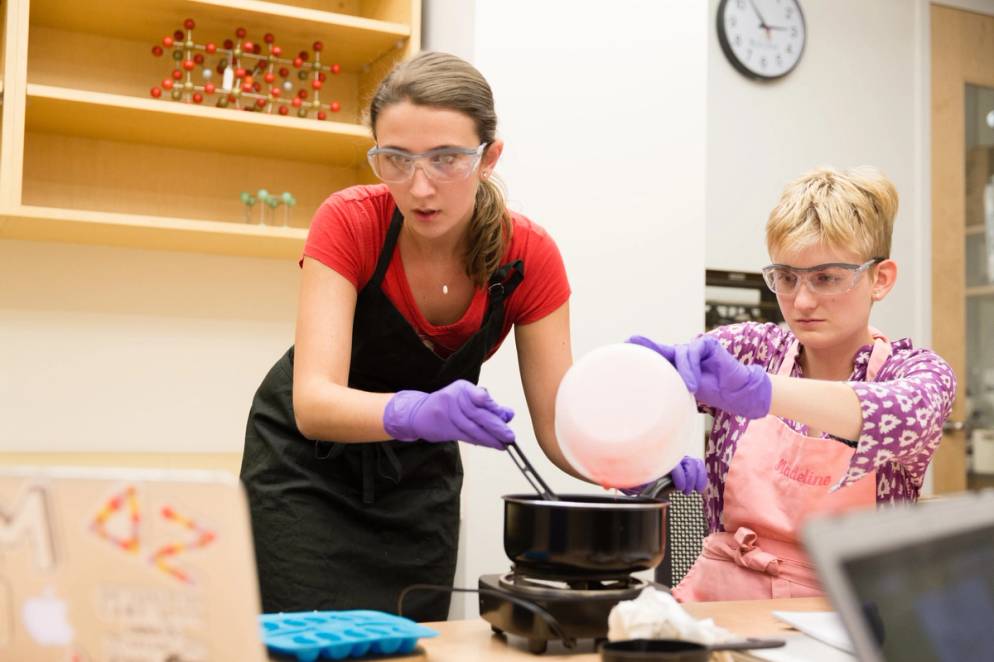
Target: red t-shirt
point(347, 234)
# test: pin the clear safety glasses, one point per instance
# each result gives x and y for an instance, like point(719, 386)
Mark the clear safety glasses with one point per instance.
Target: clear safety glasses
point(444, 164)
point(831, 278)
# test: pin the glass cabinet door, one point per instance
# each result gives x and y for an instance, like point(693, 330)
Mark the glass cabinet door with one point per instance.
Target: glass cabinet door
point(979, 238)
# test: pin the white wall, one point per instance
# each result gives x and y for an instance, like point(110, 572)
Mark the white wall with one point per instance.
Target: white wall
point(857, 97)
point(112, 349)
point(602, 109)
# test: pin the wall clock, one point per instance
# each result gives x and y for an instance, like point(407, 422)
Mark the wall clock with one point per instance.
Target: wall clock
point(763, 39)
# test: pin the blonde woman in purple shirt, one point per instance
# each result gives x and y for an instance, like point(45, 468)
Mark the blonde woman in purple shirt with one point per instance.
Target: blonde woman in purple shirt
point(825, 416)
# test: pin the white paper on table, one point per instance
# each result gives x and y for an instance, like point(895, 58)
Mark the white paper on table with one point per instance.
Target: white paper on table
point(798, 648)
point(825, 626)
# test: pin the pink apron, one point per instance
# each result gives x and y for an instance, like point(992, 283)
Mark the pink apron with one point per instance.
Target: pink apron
point(777, 478)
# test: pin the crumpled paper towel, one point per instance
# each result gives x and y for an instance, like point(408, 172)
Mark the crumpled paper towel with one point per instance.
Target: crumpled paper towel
point(655, 614)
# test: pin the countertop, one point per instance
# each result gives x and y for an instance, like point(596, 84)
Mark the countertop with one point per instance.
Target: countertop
point(472, 640)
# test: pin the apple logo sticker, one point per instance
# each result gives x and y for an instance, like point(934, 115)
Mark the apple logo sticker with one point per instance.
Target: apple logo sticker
point(45, 620)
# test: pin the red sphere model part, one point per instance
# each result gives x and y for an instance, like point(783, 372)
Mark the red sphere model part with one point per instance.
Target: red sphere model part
point(240, 33)
point(248, 47)
point(178, 35)
point(317, 46)
point(177, 74)
point(297, 102)
point(302, 94)
point(316, 84)
point(189, 24)
point(268, 38)
point(304, 55)
point(240, 72)
point(167, 42)
point(188, 65)
point(197, 97)
point(157, 51)
point(284, 72)
point(283, 110)
point(298, 62)
point(198, 58)
point(228, 44)
point(335, 68)
point(211, 47)
point(275, 92)
point(167, 83)
point(322, 115)
point(246, 87)
point(277, 51)
point(209, 88)
point(261, 103)
point(321, 76)
point(335, 106)
point(269, 77)
point(155, 92)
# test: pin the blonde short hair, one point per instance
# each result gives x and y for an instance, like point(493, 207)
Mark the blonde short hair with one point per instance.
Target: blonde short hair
point(851, 210)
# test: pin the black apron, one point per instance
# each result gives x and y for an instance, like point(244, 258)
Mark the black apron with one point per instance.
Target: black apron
point(348, 526)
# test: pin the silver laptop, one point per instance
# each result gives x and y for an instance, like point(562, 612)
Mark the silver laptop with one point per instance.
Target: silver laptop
point(912, 583)
point(135, 565)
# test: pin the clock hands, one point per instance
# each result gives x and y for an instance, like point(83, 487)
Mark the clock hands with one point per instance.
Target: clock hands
point(762, 23)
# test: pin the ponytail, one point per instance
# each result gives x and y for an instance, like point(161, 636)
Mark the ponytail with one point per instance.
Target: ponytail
point(489, 233)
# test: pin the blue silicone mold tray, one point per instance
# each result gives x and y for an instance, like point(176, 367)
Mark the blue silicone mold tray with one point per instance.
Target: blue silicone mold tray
point(335, 635)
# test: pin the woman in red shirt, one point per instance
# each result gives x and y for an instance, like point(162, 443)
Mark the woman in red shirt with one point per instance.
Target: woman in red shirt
point(407, 287)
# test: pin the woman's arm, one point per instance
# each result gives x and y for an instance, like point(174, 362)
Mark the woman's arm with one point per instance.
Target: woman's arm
point(831, 407)
point(903, 414)
point(323, 404)
point(544, 356)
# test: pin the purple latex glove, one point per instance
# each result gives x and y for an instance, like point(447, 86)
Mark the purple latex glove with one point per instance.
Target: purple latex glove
point(460, 411)
point(688, 476)
point(715, 377)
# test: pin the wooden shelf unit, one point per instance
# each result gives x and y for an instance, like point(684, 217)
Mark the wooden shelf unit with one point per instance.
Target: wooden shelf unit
point(88, 156)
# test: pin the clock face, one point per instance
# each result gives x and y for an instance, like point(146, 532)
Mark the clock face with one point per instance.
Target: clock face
point(761, 38)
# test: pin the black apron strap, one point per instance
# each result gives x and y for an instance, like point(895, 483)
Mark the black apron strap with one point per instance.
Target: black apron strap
point(501, 287)
point(386, 253)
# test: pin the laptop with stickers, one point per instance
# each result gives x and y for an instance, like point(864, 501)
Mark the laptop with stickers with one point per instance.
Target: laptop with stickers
point(126, 565)
point(912, 583)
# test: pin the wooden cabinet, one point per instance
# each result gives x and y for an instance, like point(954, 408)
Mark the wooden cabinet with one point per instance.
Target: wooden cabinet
point(87, 155)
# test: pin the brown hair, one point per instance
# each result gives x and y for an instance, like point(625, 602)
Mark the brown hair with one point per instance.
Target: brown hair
point(440, 80)
point(851, 209)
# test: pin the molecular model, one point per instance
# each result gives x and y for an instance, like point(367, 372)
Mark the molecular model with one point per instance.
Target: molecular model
point(250, 79)
point(270, 201)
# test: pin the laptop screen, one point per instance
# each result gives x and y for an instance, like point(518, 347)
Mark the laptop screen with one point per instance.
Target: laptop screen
point(929, 600)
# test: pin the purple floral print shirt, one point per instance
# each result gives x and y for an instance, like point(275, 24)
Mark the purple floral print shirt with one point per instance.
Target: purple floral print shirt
point(903, 413)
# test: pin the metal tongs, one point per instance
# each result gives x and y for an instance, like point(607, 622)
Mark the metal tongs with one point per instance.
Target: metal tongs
point(653, 489)
point(529, 472)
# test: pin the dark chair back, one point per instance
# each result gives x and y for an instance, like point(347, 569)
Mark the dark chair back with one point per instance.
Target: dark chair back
point(686, 528)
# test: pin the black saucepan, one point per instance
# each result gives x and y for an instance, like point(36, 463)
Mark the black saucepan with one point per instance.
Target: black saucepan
point(584, 535)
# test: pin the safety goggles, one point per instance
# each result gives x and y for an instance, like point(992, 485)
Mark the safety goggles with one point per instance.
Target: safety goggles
point(443, 164)
point(831, 278)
